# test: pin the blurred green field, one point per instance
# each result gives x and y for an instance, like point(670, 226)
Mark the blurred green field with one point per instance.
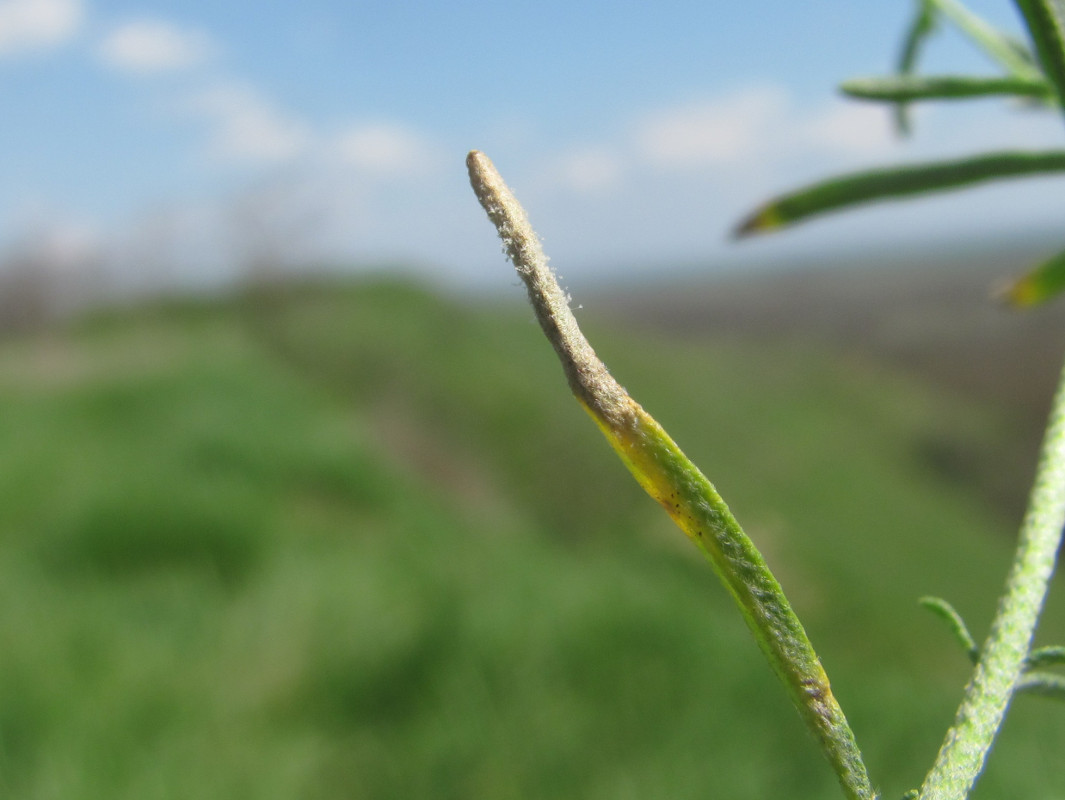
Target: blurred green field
point(357, 541)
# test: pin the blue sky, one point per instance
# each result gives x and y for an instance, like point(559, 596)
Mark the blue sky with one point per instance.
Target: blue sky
point(183, 141)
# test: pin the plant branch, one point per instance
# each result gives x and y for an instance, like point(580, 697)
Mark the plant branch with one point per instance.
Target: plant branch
point(1004, 655)
point(671, 479)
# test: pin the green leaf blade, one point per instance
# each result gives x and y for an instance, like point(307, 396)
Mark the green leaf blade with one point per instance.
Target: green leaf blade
point(922, 27)
point(906, 89)
point(1052, 656)
point(666, 474)
point(1046, 27)
point(945, 611)
point(895, 182)
point(1045, 684)
point(1003, 49)
point(1041, 284)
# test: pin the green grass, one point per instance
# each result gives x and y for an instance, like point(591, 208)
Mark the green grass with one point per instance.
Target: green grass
point(357, 541)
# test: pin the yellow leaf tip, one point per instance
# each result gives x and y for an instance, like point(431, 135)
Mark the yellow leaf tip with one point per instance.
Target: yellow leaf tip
point(763, 220)
point(1018, 294)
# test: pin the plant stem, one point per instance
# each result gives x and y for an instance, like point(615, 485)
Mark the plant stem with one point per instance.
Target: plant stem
point(1002, 659)
point(685, 493)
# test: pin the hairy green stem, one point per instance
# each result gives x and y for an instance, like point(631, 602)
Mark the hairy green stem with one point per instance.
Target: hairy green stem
point(1002, 659)
point(685, 493)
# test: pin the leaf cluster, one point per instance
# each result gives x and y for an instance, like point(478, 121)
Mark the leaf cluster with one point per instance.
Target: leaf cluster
point(1032, 75)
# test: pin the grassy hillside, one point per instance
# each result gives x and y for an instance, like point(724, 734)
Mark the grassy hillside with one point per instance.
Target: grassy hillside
point(357, 541)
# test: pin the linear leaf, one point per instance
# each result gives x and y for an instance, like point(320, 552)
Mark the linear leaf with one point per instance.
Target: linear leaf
point(945, 611)
point(921, 28)
point(1046, 657)
point(673, 481)
point(1022, 50)
point(1046, 25)
point(1000, 47)
point(945, 87)
point(892, 182)
point(1039, 285)
point(1047, 684)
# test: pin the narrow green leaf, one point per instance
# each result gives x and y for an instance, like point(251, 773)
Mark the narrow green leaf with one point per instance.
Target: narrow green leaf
point(1001, 48)
point(678, 486)
point(921, 28)
point(1047, 684)
point(1021, 49)
point(893, 182)
point(945, 611)
point(945, 87)
point(1046, 657)
point(1039, 285)
point(1046, 26)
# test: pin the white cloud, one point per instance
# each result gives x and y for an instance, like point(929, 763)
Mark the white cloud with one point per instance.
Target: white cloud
point(28, 25)
point(246, 126)
point(848, 129)
point(732, 129)
point(70, 245)
point(589, 170)
point(56, 244)
point(759, 127)
point(384, 148)
point(147, 46)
